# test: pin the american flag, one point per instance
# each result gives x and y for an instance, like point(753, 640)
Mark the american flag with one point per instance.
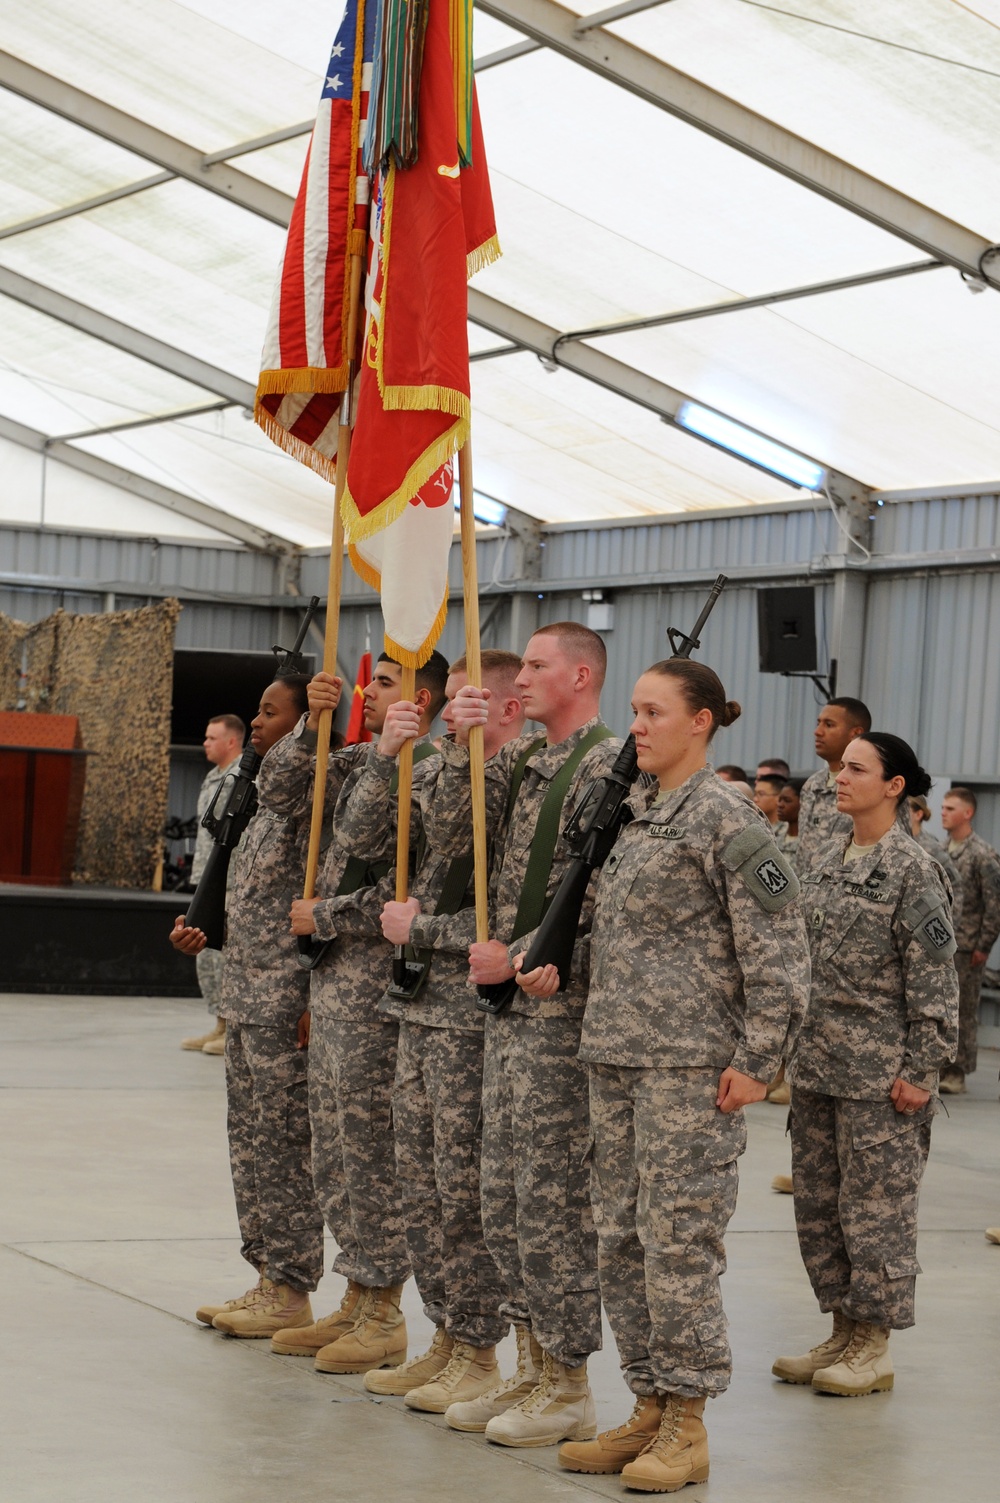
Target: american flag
point(304, 365)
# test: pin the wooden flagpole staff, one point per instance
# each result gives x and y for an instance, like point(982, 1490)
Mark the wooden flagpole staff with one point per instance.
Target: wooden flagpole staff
point(477, 761)
point(474, 674)
point(333, 590)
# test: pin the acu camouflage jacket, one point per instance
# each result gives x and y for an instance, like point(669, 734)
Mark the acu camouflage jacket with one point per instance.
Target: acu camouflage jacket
point(698, 951)
point(884, 996)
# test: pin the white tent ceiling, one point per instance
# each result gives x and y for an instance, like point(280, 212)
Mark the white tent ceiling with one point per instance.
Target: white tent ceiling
point(147, 307)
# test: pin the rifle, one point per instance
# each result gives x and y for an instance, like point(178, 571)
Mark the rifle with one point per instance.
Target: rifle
point(231, 810)
point(593, 828)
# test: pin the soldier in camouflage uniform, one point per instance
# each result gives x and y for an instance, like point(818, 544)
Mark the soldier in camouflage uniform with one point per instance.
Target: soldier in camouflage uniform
point(881, 1022)
point(437, 1094)
point(223, 745)
point(536, 1203)
point(837, 724)
point(264, 995)
point(699, 976)
point(352, 1046)
point(919, 813)
point(977, 925)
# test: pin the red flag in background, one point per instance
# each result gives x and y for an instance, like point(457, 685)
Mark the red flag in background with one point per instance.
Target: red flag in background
point(356, 724)
point(432, 227)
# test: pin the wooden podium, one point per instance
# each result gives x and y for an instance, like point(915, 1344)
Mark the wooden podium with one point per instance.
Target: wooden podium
point(42, 772)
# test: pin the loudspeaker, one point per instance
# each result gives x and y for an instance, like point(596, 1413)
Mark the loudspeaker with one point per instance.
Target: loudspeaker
point(786, 630)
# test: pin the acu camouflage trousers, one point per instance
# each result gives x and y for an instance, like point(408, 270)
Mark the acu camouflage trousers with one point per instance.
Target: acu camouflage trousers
point(856, 1171)
point(536, 1198)
point(269, 1151)
point(352, 1063)
point(664, 1184)
point(209, 967)
point(436, 1107)
point(970, 984)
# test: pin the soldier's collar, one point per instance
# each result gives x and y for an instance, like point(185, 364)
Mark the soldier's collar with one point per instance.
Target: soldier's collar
point(661, 811)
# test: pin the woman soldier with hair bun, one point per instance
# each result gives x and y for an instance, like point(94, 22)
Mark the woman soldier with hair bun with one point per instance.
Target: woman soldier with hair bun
point(882, 1021)
point(699, 975)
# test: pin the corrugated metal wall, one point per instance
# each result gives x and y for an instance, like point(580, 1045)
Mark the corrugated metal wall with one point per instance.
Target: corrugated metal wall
point(932, 656)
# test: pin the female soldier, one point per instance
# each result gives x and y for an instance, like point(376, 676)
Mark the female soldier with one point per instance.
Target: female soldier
point(698, 974)
point(882, 1020)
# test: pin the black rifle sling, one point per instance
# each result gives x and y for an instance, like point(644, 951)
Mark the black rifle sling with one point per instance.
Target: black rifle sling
point(359, 873)
point(533, 900)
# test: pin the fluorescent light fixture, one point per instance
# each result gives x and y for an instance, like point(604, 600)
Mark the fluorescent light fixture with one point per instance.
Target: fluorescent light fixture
point(763, 452)
point(491, 513)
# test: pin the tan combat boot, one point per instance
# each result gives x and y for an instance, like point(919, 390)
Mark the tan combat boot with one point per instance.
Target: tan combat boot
point(559, 1407)
point(218, 1032)
point(217, 1043)
point(207, 1313)
point(377, 1339)
point(801, 1369)
point(678, 1455)
point(472, 1371)
point(473, 1415)
point(265, 1312)
point(614, 1449)
point(395, 1381)
point(782, 1183)
point(864, 1366)
point(306, 1341)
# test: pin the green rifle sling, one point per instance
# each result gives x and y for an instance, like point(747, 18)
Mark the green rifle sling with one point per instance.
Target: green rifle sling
point(359, 873)
point(534, 900)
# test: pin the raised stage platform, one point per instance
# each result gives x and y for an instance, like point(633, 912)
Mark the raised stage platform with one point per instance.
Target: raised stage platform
point(104, 941)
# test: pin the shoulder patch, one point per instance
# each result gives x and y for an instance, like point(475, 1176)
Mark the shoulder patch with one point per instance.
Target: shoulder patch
point(928, 919)
point(767, 874)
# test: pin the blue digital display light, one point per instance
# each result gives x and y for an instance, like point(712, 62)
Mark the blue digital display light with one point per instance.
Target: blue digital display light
point(774, 458)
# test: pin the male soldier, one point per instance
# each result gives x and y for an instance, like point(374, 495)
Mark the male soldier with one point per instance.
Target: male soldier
point(536, 1201)
point(977, 925)
point(774, 767)
point(838, 723)
point(352, 1047)
point(729, 772)
point(766, 792)
point(919, 814)
point(264, 997)
point(437, 1095)
point(223, 745)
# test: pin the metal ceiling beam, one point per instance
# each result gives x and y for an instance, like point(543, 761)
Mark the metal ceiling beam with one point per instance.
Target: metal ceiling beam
point(614, 13)
point(614, 375)
point(697, 104)
point(144, 140)
point(142, 422)
point(147, 490)
point(738, 304)
point(124, 337)
point(505, 55)
point(69, 211)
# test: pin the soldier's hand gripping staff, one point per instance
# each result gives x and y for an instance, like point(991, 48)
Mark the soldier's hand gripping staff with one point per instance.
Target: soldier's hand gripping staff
point(882, 1021)
point(698, 978)
point(590, 834)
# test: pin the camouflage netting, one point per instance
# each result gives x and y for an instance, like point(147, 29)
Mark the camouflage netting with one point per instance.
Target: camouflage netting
point(115, 673)
point(12, 633)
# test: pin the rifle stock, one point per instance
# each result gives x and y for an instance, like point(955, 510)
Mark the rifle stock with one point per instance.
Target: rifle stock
point(591, 832)
point(208, 906)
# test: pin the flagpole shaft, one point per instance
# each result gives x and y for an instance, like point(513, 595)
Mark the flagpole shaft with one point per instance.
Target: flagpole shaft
point(474, 673)
point(334, 579)
point(408, 689)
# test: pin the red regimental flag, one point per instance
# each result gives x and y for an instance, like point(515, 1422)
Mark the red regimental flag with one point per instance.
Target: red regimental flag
point(432, 228)
point(304, 365)
point(356, 724)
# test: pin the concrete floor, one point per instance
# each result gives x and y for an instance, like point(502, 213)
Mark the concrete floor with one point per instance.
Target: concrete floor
point(116, 1222)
